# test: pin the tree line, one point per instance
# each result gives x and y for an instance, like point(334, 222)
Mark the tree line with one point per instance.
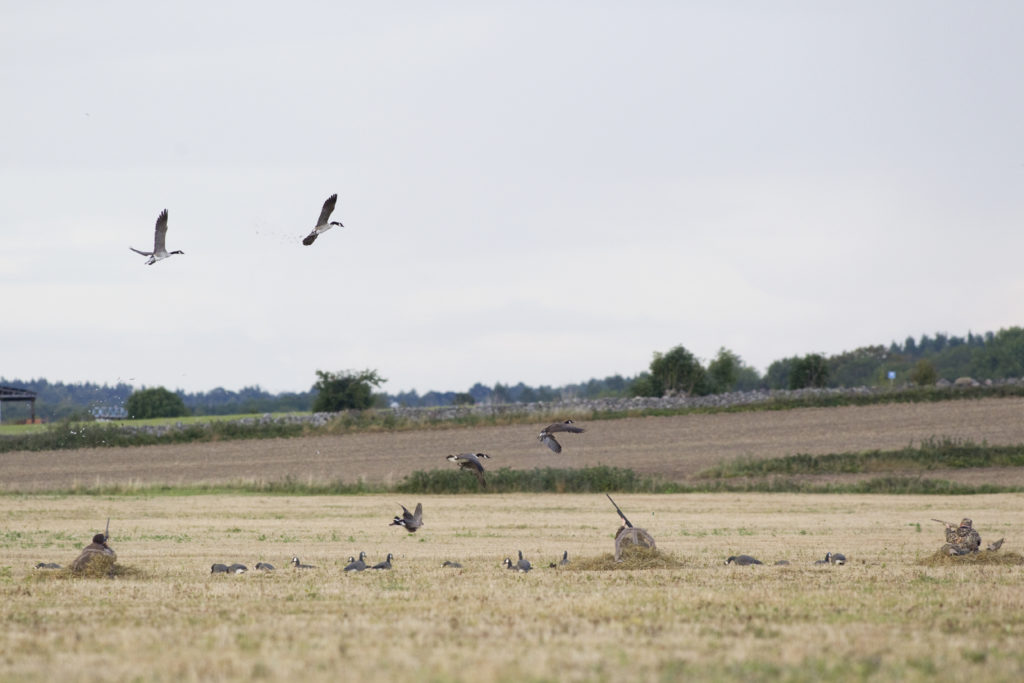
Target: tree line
point(922, 361)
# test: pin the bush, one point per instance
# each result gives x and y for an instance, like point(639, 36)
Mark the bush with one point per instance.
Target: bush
point(157, 402)
point(339, 391)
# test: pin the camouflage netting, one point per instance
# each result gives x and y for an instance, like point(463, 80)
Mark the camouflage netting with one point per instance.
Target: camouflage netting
point(633, 557)
point(985, 557)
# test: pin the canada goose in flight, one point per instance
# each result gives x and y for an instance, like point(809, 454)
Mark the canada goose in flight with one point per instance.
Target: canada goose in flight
point(264, 566)
point(218, 568)
point(159, 252)
point(298, 565)
point(451, 565)
point(47, 565)
point(561, 563)
point(410, 520)
point(547, 438)
point(321, 224)
point(742, 560)
point(356, 565)
point(386, 564)
point(237, 569)
point(471, 462)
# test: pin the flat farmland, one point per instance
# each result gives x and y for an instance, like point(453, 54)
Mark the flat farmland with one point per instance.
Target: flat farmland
point(675, 448)
point(886, 615)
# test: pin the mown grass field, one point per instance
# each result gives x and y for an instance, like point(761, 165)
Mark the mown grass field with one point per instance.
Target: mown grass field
point(887, 615)
point(884, 616)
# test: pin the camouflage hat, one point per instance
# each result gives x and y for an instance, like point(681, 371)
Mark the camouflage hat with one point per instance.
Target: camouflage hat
point(99, 538)
point(966, 521)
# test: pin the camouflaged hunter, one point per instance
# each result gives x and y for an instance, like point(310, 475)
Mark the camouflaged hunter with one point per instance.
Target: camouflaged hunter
point(963, 539)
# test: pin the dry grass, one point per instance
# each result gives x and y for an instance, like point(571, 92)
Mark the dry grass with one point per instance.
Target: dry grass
point(883, 616)
point(675, 448)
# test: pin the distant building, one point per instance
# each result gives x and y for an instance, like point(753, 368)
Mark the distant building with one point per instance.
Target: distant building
point(15, 394)
point(109, 413)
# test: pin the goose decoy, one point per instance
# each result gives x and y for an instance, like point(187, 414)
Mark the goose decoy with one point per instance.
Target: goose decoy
point(743, 560)
point(995, 545)
point(827, 560)
point(521, 566)
point(237, 569)
point(321, 224)
point(386, 564)
point(410, 520)
point(159, 252)
point(471, 461)
point(547, 438)
point(451, 565)
point(356, 565)
point(264, 567)
point(47, 565)
point(218, 568)
point(561, 563)
point(837, 558)
point(298, 565)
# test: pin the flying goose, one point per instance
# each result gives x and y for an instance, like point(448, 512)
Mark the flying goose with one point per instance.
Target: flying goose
point(264, 566)
point(321, 224)
point(218, 568)
point(410, 520)
point(471, 461)
point(386, 564)
point(357, 565)
point(742, 560)
point(547, 438)
point(298, 565)
point(159, 252)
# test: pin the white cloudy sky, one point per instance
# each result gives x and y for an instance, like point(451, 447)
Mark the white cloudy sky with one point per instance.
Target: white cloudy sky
point(534, 191)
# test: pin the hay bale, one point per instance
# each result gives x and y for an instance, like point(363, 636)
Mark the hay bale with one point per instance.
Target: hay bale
point(986, 558)
point(633, 557)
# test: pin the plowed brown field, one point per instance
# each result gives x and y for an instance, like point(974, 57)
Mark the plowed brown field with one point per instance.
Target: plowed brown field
point(674, 447)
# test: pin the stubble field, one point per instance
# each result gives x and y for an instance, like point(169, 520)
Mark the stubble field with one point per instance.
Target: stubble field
point(886, 615)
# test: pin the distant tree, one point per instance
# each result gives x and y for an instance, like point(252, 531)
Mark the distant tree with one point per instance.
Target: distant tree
point(678, 370)
point(778, 374)
point(910, 347)
point(924, 374)
point(809, 371)
point(464, 399)
point(348, 390)
point(724, 370)
point(643, 385)
point(157, 402)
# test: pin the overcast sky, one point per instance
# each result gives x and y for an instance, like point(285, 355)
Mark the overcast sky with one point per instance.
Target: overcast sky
point(540, 192)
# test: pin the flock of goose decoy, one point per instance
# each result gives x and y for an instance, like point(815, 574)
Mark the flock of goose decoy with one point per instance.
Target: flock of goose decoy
point(746, 560)
point(159, 253)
